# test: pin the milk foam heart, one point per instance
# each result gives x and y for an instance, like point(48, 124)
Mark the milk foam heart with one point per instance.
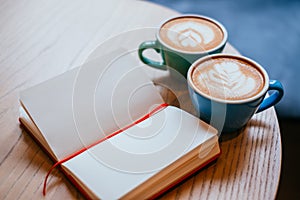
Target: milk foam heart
point(227, 78)
point(191, 34)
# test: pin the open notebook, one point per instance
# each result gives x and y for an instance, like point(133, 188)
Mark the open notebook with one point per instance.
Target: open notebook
point(98, 100)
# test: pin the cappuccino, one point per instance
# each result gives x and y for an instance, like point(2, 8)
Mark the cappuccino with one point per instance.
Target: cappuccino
point(228, 78)
point(192, 34)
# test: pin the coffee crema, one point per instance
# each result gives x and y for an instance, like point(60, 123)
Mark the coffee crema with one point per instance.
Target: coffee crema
point(228, 78)
point(192, 34)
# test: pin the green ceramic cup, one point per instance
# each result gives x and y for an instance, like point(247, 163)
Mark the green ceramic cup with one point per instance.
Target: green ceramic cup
point(176, 57)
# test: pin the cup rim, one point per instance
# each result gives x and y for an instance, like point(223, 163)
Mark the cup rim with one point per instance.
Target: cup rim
point(223, 29)
point(234, 56)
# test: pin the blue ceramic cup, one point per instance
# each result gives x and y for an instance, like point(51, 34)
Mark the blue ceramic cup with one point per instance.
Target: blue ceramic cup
point(225, 114)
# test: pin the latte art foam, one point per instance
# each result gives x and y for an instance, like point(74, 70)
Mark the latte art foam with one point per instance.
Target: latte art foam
point(191, 34)
point(229, 79)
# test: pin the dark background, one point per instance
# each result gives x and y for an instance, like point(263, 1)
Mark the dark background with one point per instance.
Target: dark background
point(267, 31)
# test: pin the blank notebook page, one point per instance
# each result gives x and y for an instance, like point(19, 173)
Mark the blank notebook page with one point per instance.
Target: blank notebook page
point(80, 106)
point(116, 166)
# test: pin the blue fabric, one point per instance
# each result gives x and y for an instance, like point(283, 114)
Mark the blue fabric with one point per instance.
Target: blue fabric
point(266, 31)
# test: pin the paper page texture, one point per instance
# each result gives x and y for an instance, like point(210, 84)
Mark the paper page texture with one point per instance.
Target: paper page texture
point(116, 166)
point(83, 105)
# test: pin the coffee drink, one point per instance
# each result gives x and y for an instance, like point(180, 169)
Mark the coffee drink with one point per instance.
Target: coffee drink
point(191, 33)
point(227, 90)
point(182, 40)
point(228, 78)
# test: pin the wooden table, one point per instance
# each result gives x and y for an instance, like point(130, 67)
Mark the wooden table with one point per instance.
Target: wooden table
point(41, 39)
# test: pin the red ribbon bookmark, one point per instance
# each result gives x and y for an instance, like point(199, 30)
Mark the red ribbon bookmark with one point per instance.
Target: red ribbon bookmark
point(155, 110)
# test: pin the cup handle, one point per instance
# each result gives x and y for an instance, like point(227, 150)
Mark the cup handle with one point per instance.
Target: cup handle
point(151, 45)
point(274, 98)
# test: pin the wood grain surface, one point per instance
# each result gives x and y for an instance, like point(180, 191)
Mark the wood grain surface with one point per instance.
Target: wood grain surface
point(41, 39)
